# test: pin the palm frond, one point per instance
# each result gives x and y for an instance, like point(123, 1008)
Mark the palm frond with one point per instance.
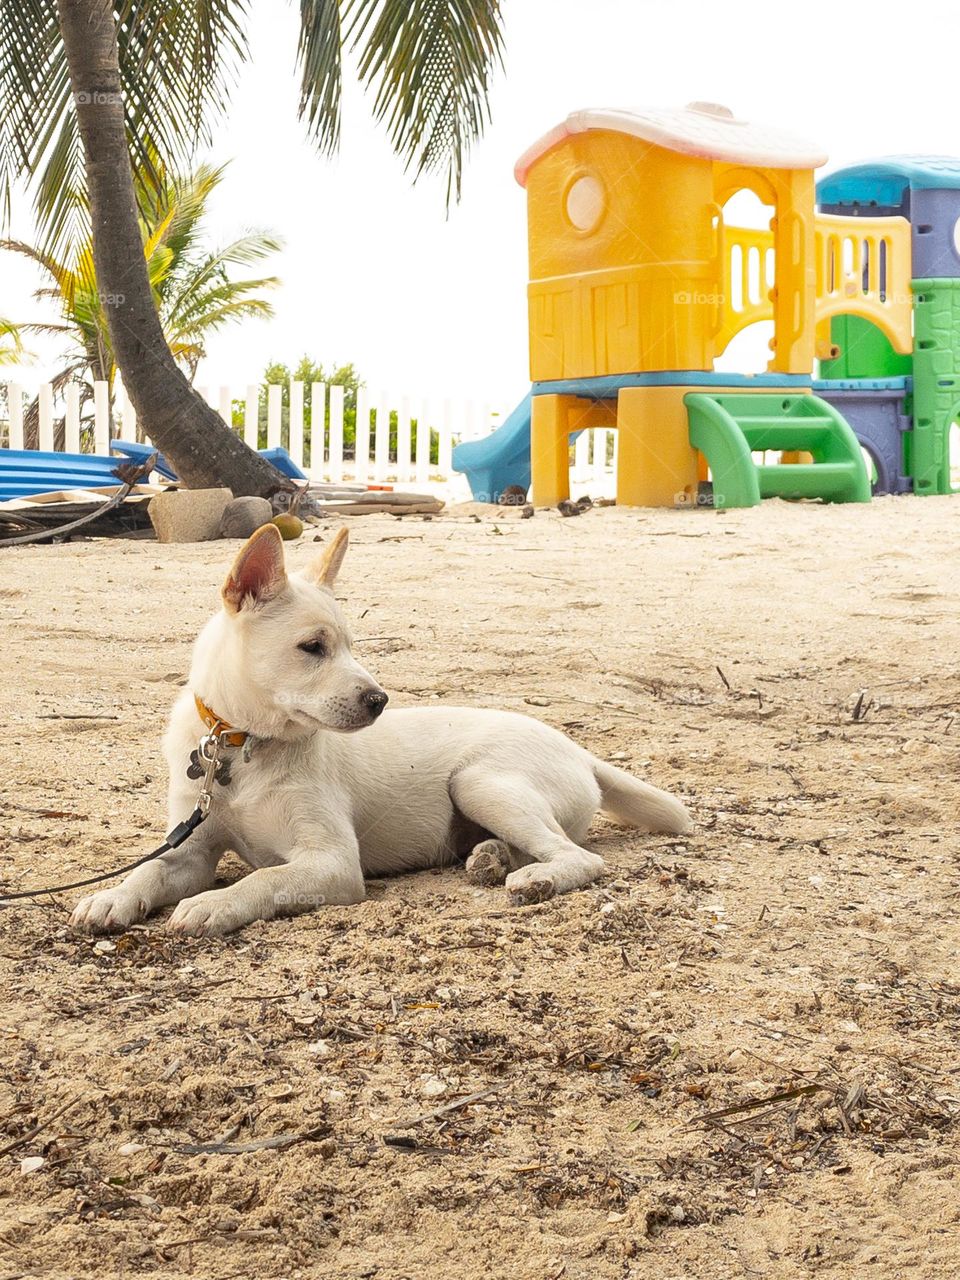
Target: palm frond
point(11, 342)
point(159, 265)
point(190, 353)
point(180, 206)
point(186, 335)
point(195, 275)
point(430, 64)
point(214, 317)
point(191, 314)
point(177, 61)
point(47, 329)
point(32, 71)
point(158, 234)
point(245, 250)
point(54, 268)
point(319, 58)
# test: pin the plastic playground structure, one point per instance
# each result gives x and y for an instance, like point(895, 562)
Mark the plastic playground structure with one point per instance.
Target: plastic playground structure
point(637, 285)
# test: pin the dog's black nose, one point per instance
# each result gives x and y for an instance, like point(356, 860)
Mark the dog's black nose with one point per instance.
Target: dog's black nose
point(375, 700)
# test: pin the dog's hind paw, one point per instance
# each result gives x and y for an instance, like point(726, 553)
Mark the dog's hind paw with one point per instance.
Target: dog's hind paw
point(530, 884)
point(109, 911)
point(489, 863)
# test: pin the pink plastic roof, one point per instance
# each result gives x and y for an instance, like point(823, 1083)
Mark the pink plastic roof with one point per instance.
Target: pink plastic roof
point(699, 129)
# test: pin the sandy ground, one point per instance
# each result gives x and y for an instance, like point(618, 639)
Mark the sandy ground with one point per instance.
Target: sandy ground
point(792, 671)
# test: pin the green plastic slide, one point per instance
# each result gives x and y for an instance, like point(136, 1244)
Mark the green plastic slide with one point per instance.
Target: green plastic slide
point(729, 429)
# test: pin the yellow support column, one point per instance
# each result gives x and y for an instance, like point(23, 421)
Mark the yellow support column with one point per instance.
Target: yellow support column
point(550, 449)
point(795, 291)
point(657, 465)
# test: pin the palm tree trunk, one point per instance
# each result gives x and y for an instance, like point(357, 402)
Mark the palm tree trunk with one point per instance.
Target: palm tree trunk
point(200, 446)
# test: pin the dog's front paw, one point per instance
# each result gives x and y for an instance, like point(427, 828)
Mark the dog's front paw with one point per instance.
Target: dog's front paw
point(207, 915)
point(530, 884)
point(489, 863)
point(109, 911)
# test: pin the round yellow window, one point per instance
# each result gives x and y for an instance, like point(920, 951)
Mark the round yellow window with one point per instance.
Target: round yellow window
point(585, 203)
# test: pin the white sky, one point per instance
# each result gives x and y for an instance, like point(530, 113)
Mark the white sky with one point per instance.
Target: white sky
point(373, 272)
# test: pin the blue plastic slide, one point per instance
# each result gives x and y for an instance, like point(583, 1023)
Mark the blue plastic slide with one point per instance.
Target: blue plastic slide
point(499, 460)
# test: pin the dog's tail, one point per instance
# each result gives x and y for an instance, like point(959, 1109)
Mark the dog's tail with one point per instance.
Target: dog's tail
point(636, 804)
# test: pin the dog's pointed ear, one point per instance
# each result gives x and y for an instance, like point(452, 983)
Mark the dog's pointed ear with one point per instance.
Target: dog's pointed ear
point(323, 569)
point(257, 575)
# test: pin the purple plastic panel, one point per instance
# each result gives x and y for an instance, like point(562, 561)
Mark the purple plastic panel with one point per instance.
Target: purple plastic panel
point(878, 420)
point(934, 217)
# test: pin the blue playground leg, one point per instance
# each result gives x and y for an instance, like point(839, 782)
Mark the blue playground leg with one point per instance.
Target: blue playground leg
point(502, 459)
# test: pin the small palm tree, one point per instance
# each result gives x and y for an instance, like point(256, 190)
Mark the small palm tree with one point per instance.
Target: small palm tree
point(192, 286)
point(86, 83)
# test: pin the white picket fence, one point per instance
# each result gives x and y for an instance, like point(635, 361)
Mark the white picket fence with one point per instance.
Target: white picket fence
point(320, 453)
point(594, 467)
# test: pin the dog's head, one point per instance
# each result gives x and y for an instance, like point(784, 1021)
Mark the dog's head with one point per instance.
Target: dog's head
point(276, 660)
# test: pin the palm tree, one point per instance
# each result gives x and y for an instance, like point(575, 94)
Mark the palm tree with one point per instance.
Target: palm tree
point(115, 77)
point(191, 284)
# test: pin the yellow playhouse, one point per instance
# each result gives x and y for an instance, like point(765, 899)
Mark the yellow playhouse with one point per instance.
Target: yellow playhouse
point(637, 285)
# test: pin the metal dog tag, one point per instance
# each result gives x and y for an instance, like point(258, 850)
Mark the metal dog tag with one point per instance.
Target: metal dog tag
point(197, 768)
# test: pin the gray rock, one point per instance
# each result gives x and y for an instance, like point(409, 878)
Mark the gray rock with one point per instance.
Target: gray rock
point(188, 515)
point(244, 516)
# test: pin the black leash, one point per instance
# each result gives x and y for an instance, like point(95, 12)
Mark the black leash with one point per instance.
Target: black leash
point(208, 763)
point(173, 841)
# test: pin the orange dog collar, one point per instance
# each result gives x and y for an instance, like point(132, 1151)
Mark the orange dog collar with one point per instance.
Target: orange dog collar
point(219, 727)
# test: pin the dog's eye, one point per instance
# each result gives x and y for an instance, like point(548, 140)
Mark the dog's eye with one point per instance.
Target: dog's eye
point(316, 648)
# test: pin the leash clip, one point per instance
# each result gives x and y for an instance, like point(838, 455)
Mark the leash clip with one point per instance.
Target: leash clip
point(209, 751)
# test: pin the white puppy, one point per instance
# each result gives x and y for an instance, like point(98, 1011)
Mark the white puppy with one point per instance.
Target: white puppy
point(315, 806)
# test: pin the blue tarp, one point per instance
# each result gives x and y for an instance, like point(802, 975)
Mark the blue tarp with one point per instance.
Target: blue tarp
point(140, 452)
point(25, 472)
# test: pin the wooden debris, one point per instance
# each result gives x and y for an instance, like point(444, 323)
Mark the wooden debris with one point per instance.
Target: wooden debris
point(754, 1104)
point(43, 1124)
point(861, 708)
point(67, 715)
point(331, 500)
point(47, 813)
point(275, 1143)
point(458, 1105)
